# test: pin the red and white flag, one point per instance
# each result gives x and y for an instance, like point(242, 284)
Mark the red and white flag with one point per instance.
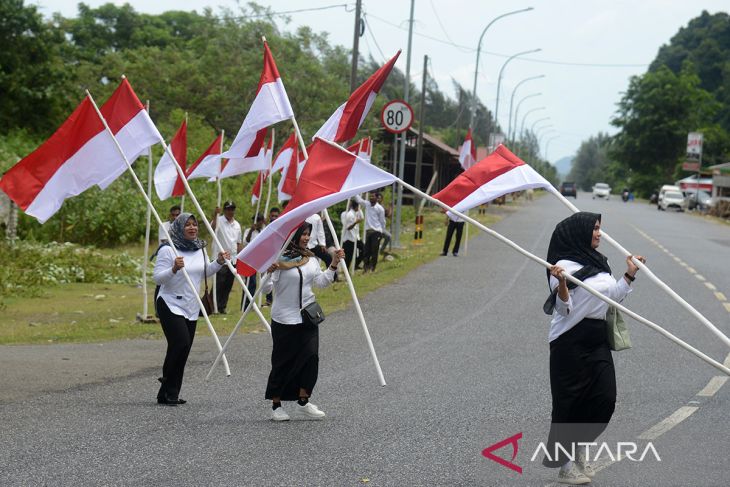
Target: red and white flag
point(208, 165)
point(167, 181)
point(363, 148)
point(290, 175)
point(81, 154)
point(286, 152)
point(344, 123)
point(263, 175)
point(331, 175)
point(270, 106)
point(468, 152)
point(255, 160)
point(499, 173)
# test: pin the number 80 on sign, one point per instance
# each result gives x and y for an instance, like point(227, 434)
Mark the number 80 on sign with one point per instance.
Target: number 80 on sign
point(397, 116)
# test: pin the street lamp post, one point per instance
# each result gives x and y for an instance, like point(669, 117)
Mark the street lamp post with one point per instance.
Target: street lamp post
point(532, 129)
point(547, 144)
point(517, 111)
point(512, 100)
point(522, 128)
point(499, 82)
point(550, 129)
point(476, 68)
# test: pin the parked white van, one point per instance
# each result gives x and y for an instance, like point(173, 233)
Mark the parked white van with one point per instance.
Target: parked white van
point(664, 189)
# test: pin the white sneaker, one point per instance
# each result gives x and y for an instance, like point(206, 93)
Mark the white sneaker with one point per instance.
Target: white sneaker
point(572, 476)
point(308, 411)
point(279, 414)
point(584, 467)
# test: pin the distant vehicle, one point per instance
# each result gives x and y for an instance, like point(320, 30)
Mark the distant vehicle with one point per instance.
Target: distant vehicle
point(673, 199)
point(701, 202)
point(601, 190)
point(664, 189)
point(625, 195)
point(569, 189)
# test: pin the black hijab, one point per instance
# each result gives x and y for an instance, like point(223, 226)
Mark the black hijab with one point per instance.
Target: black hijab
point(177, 234)
point(293, 250)
point(572, 239)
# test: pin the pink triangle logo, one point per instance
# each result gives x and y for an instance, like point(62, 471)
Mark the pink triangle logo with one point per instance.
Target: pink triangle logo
point(512, 440)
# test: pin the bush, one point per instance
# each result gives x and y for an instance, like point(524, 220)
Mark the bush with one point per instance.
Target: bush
point(721, 209)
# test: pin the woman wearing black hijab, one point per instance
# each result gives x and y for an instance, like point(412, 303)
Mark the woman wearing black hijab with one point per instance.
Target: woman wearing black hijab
point(295, 355)
point(177, 305)
point(582, 376)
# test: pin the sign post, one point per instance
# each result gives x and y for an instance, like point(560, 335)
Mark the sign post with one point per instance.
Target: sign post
point(397, 117)
point(693, 161)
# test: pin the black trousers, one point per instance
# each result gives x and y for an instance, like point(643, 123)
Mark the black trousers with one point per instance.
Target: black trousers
point(583, 386)
point(223, 283)
point(251, 288)
point(459, 227)
point(372, 245)
point(180, 334)
point(349, 247)
point(294, 361)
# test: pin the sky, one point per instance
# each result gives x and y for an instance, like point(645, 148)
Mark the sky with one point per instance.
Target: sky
point(589, 49)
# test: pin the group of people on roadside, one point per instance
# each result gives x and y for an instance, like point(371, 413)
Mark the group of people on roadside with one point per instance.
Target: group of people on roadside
point(582, 374)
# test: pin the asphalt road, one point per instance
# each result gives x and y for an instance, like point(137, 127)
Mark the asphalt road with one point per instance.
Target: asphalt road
point(463, 346)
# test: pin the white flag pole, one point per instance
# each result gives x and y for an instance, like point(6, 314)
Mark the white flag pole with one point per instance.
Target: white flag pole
point(651, 275)
point(268, 193)
point(572, 279)
point(248, 308)
point(217, 205)
point(217, 241)
point(145, 262)
point(348, 278)
point(159, 222)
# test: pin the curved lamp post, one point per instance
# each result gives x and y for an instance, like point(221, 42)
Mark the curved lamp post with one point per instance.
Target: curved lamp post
point(476, 68)
point(512, 101)
point(499, 80)
point(522, 128)
point(547, 144)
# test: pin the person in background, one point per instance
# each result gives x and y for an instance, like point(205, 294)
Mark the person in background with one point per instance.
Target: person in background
point(385, 240)
point(177, 305)
point(257, 226)
point(582, 374)
point(228, 231)
point(374, 226)
point(174, 213)
point(318, 240)
point(351, 233)
point(457, 226)
point(295, 353)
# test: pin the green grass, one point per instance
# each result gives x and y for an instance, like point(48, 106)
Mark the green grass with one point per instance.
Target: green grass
point(83, 312)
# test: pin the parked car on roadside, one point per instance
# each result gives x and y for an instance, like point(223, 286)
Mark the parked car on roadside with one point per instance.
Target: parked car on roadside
point(701, 200)
point(601, 190)
point(664, 189)
point(673, 199)
point(569, 189)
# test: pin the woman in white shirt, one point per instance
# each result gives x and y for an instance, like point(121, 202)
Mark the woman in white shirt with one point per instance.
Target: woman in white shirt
point(582, 376)
point(177, 304)
point(295, 355)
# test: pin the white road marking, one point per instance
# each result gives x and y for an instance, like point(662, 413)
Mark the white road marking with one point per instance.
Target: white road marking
point(700, 277)
point(684, 264)
point(691, 270)
point(713, 386)
point(668, 423)
point(720, 296)
point(678, 259)
point(727, 306)
point(710, 286)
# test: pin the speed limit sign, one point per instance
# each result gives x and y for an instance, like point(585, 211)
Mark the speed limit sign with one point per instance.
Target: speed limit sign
point(397, 116)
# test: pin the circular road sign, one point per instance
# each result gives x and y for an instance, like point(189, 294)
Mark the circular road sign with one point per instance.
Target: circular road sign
point(397, 116)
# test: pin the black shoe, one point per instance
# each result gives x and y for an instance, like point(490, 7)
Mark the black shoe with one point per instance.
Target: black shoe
point(168, 401)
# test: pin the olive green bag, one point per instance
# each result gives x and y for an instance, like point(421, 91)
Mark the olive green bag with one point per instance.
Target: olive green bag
point(618, 333)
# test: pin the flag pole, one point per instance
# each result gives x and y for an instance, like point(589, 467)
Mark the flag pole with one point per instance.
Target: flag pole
point(248, 308)
point(572, 279)
point(145, 262)
point(217, 205)
point(348, 278)
point(217, 241)
point(159, 222)
point(268, 194)
point(651, 275)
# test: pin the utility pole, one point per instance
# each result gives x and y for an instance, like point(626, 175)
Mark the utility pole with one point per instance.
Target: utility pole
point(421, 117)
point(402, 162)
point(355, 47)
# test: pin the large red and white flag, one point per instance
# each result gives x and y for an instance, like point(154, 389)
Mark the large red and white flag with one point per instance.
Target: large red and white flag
point(499, 173)
point(468, 152)
point(167, 180)
point(81, 154)
point(254, 160)
point(270, 106)
point(208, 164)
point(290, 175)
point(344, 123)
point(331, 175)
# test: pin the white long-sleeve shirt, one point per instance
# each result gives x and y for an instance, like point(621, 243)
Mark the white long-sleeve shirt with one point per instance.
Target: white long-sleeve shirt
point(374, 215)
point(316, 237)
point(348, 218)
point(285, 284)
point(582, 304)
point(174, 288)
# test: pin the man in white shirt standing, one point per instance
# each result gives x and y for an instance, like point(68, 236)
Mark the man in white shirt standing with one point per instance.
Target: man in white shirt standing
point(257, 226)
point(317, 241)
point(174, 213)
point(374, 226)
point(351, 233)
point(228, 231)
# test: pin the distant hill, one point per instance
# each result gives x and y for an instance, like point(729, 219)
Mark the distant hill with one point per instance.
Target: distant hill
point(563, 166)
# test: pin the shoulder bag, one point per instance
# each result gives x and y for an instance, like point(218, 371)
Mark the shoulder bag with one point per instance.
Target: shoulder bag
point(618, 333)
point(312, 314)
point(207, 297)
